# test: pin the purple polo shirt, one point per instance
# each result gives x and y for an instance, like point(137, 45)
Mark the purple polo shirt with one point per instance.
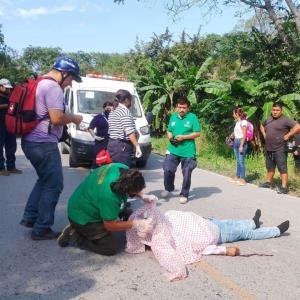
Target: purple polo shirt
point(49, 95)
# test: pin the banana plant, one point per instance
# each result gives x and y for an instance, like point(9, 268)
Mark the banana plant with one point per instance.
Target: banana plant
point(159, 87)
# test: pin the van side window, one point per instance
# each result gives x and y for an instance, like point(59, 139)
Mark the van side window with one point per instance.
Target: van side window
point(71, 102)
point(67, 96)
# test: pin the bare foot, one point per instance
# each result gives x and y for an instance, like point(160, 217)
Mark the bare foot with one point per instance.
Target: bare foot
point(232, 251)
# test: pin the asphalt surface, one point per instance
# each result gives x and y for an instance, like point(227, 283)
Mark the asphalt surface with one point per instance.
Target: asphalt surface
point(42, 270)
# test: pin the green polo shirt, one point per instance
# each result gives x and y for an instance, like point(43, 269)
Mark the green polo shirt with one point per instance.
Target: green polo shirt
point(183, 126)
point(93, 200)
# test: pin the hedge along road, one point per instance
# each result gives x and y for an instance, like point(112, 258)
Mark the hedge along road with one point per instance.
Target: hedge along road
point(42, 270)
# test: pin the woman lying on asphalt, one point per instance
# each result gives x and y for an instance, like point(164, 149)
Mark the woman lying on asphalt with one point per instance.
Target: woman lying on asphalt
point(179, 238)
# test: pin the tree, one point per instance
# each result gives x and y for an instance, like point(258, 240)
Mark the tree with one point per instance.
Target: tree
point(40, 59)
point(274, 9)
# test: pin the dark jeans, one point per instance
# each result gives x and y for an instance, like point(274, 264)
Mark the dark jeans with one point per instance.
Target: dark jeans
point(9, 143)
point(99, 146)
point(40, 207)
point(170, 165)
point(120, 151)
point(94, 237)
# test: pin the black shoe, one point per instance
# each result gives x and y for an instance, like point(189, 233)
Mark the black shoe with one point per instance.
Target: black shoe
point(283, 227)
point(283, 190)
point(256, 218)
point(266, 185)
point(48, 234)
point(64, 239)
point(28, 224)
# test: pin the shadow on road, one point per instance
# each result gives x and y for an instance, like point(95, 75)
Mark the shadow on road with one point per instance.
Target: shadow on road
point(203, 192)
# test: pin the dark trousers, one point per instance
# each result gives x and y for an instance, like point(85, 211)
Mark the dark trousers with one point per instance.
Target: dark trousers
point(99, 146)
point(94, 237)
point(9, 143)
point(120, 151)
point(170, 165)
point(40, 206)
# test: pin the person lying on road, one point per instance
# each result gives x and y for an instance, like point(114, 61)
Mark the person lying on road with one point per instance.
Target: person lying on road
point(179, 238)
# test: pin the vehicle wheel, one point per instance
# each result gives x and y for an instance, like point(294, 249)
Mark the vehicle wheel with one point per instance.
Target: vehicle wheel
point(73, 163)
point(63, 148)
point(141, 163)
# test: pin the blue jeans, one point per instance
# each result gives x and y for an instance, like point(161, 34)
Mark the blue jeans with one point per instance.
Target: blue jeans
point(9, 143)
point(40, 207)
point(170, 165)
point(233, 231)
point(240, 158)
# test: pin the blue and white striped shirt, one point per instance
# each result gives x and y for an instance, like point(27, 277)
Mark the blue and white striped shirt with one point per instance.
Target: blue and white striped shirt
point(120, 123)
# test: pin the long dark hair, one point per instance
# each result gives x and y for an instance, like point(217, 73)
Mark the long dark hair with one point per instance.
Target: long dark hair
point(239, 111)
point(122, 95)
point(129, 183)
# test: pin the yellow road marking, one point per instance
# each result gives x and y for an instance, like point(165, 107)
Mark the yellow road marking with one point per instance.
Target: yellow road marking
point(224, 280)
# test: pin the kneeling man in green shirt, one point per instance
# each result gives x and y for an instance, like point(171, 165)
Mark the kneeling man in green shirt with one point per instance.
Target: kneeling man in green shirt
point(95, 206)
point(182, 131)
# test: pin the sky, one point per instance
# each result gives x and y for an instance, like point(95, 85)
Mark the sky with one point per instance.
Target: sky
point(100, 26)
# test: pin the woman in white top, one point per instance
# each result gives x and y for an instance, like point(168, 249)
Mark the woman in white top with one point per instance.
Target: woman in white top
point(240, 145)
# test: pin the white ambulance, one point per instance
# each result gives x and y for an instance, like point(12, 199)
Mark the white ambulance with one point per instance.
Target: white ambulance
point(86, 99)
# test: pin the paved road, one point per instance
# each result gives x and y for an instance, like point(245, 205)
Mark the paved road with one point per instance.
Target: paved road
point(42, 270)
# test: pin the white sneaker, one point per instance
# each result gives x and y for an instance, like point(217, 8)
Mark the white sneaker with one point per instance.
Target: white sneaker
point(183, 200)
point(165, 194)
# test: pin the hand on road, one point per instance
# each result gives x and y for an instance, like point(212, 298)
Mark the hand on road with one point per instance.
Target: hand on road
point(138, 151)
point(232, 251)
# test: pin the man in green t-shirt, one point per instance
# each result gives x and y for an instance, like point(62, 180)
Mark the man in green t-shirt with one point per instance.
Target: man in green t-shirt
point(95, 205)
point(183, 129)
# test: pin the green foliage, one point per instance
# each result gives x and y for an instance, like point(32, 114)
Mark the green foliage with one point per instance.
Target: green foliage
point(213, 155)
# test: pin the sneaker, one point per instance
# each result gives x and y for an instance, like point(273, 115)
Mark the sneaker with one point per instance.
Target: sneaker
point(183, 200)
point(165, 194)
point(48, 234)
point(266, 185)
point(283, 190)
point(64, 239)
point(14, 171)
point(241, 181)
point(28, 224)
point(234, 179)
point(4, 172)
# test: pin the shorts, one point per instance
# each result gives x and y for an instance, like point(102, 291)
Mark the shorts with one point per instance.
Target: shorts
point(276, 158)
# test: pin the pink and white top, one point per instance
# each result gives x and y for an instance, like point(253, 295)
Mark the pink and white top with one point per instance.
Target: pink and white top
point(177, 239)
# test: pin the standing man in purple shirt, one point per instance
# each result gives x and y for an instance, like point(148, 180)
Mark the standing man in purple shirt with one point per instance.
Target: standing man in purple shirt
point(41, 149)
point(100, 122)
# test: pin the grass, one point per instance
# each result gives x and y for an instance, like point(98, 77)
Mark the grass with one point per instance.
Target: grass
point(219, 159)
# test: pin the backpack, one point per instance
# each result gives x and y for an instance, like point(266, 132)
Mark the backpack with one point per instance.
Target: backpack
point(21, 117)
point(103, 158)
point(249, 132)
